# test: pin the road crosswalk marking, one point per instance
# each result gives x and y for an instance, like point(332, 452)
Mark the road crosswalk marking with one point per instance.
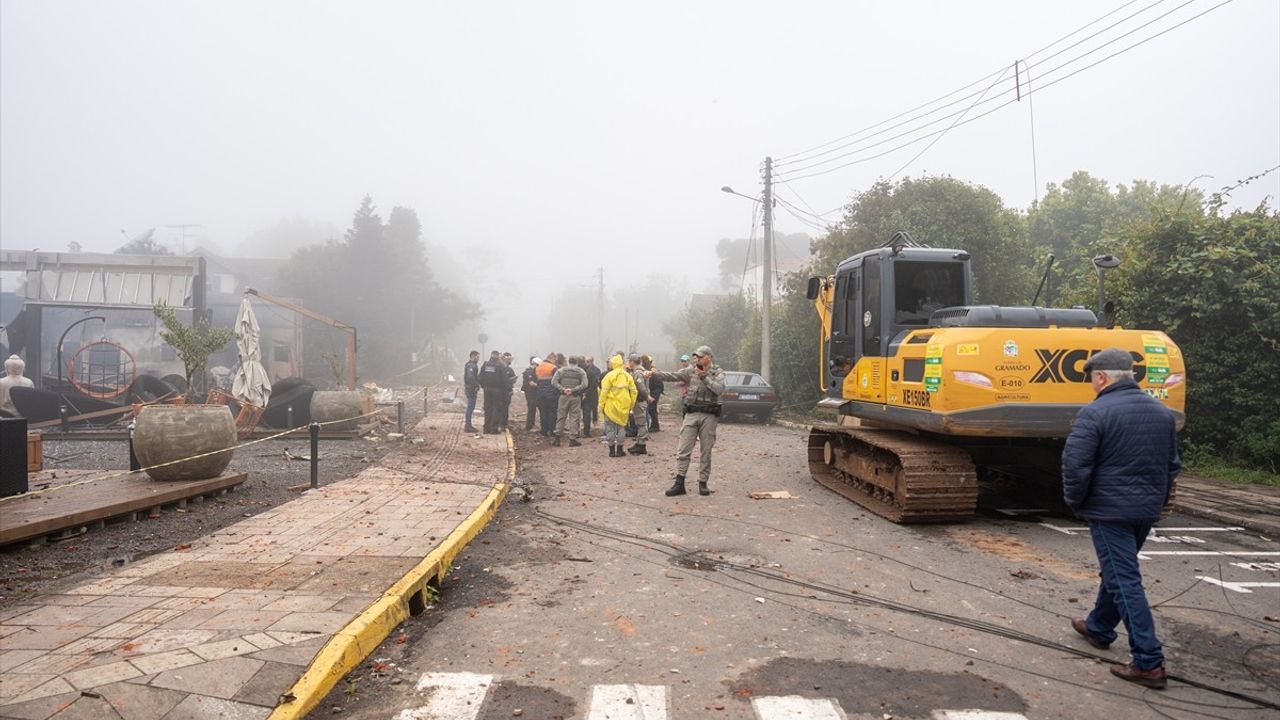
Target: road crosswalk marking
point(628, 702)
point(976, 715)
point(1240, 587)
point(1148, 554)
point(462, 695)
point(456, 696)
point(794, 707)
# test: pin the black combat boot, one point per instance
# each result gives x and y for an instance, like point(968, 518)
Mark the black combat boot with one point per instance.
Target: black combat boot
point(677, 488)
point(573, 442)
point(702, 488)
point(613, 451)
point(556, 442)
point(638, 449)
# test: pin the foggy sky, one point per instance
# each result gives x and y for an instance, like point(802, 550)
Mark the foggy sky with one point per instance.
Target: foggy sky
point(540, 141)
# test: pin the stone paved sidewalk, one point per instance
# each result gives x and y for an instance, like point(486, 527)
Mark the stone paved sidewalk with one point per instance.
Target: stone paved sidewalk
point(224, 627)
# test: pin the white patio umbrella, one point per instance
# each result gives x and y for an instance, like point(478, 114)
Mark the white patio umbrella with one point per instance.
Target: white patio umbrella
point(250, 384)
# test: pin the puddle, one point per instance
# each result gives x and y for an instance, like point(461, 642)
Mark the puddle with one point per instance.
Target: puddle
point(711, 560)
point(874, 690)
point(533, 702)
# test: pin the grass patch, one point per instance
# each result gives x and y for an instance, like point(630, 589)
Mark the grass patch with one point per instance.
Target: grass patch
point(1215, 467)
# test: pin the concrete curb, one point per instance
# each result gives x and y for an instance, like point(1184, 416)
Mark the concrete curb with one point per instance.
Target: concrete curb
point(409, 596)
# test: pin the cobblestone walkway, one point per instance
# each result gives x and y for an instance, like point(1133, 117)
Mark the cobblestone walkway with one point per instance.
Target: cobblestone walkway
point(224, 627)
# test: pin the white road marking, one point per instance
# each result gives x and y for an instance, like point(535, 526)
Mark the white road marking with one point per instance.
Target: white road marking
point(794, 707)
point(453, 696)
point(1148, 554)
point(628, 702)
point(976, 715)
point(1154, 531)
point(1184, 539)
point(1263, 566)
point(1064, 531)
point(1240, 587)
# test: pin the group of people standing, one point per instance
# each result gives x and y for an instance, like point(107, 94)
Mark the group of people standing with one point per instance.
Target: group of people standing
point(567, 395)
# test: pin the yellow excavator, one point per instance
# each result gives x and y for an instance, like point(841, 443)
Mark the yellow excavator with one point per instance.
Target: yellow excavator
point(932, 394)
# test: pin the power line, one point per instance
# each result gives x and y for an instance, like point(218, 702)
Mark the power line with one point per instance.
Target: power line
point(997, 97)
point(940, 135)
point(794, 157)
point(813, 162)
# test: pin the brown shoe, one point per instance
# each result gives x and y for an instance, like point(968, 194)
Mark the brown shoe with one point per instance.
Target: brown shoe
point(1079, 626)
point(1153, 678)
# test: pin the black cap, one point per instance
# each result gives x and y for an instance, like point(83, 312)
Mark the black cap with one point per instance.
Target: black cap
point(1110, 359)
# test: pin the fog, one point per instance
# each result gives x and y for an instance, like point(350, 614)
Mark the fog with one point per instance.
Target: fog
point(542, 143)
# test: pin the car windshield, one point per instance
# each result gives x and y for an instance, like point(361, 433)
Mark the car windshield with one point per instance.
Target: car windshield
point(741, 379)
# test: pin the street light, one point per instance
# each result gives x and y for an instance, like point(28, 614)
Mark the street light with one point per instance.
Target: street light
point(731, 191)
point(766, 285)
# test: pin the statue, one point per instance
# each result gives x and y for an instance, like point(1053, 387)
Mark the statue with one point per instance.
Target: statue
point(13, 368)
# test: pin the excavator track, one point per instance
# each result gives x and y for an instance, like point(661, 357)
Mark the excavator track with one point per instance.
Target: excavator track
point(900, 476)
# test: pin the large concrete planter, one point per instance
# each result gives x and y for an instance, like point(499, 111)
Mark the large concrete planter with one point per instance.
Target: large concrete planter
point(347, 406)
point(165, 433)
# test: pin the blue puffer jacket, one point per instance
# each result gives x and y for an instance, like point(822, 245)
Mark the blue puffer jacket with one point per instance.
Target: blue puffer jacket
point(1121, 457)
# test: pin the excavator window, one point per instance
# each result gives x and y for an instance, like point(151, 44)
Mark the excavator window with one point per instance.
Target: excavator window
point(871, 320)
point(920, 288)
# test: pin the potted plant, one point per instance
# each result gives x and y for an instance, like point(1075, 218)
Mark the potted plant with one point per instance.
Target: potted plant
point(167, 433)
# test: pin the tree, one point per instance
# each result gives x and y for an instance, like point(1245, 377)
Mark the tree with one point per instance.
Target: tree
point(1083, 217)
point(1212, 282)
point(378, 279)
point(939, 212)
point(144, 244)
point(194, 343)
point(721, 321)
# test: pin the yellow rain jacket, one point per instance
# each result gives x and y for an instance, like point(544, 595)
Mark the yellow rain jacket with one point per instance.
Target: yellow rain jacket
point(617, 392)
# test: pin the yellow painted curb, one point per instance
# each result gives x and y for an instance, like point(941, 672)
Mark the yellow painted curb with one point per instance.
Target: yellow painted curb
point(360, 637)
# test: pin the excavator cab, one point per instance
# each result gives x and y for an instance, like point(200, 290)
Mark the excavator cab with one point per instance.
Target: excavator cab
point(880, 295)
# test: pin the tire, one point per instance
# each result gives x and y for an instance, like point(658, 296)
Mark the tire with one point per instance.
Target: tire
point(765, 417)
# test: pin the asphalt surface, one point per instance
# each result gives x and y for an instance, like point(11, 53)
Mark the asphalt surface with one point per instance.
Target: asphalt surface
point(714, 606)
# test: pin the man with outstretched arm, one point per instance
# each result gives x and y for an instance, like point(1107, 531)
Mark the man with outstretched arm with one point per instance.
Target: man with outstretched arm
point(705, 382)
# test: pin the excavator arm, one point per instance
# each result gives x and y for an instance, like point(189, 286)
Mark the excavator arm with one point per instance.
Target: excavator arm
point(331, 322)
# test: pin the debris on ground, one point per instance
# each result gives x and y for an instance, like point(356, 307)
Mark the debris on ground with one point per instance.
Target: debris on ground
point(770, 495)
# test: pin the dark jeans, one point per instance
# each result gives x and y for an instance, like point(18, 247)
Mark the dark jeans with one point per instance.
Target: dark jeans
point(504, 410)
point(1120, 594)
point(653, 412)
point(531, 410)
point(471, 405)
point(548, 404)
point(590, 412)
point(492, 410)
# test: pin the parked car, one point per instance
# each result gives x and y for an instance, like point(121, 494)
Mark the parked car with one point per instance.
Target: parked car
point(748, 394)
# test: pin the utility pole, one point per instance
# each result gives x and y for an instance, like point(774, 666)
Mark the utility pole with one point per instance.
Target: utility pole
point(766, 311)
point(600, 316)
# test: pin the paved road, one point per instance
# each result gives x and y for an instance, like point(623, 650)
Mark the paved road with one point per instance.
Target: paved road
point(601, 598)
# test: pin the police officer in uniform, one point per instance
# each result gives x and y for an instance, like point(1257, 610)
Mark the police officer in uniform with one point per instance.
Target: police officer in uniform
point(640, 413)
point(570, 383)
point(705, 382)
point(491, 381)
point(471, 385)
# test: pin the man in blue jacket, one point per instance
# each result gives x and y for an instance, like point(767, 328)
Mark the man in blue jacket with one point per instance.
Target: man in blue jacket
point(1118, 468)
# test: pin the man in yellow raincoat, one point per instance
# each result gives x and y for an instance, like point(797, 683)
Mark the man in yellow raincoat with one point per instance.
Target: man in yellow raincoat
point(617, 397)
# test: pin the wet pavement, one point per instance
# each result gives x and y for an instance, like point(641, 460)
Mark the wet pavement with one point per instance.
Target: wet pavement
point(597, 596)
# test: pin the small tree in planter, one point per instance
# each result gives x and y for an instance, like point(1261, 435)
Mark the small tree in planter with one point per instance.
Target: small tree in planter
point(194, 343)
